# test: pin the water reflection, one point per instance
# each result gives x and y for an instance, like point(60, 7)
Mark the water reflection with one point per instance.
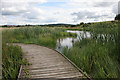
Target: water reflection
point(68, 42)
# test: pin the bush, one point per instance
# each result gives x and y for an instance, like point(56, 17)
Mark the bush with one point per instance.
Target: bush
point(117, 17)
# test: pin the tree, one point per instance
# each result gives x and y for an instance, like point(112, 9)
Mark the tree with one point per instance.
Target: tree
point(117, 17)
point(85, 25)
point(81, 23)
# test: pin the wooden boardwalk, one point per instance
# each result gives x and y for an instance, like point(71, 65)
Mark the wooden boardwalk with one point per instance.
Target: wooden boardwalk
point(46, 63)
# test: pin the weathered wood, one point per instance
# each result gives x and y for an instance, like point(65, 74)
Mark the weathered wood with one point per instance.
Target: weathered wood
point(46, 63)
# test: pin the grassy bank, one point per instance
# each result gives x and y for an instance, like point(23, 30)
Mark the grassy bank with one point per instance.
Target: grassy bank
point(12, 55)
point(11, 59)
point(37, 35)
point(98, 55)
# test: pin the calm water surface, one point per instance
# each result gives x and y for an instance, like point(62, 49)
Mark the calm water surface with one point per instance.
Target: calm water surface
point(68, 42)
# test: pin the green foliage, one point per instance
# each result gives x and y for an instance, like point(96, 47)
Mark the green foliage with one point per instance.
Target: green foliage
point(117, 17)
point(47, 41)
point(11, 58)
point(81, 23)
point(98, 55)
point(64, 34)
point(37, 35)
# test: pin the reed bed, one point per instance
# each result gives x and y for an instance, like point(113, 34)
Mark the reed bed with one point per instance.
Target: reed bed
point(99, 55)
point(12, 55)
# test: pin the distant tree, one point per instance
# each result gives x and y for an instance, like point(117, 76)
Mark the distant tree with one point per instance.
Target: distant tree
point(85, 25)
point(117, 17)
point(73, 25)
point(81, 23)
point(18, 26)
point(4, 26)
point(88, 23)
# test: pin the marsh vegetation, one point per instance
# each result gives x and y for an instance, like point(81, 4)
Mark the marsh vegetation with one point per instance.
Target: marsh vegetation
point(96, 54)
point(12, 55)
point(99, 54)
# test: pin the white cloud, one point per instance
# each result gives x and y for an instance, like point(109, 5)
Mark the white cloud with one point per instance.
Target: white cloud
point(94, 1)
point(94, 14)
point(23, 1)
point(71, 11)
point(18, 11)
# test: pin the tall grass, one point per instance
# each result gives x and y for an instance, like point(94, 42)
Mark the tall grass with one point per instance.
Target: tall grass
point(99, 55)
point(12, 55)
point(37, 35)
point(11, 61)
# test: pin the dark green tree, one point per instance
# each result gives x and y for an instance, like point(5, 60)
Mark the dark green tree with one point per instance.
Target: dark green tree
point(81, 23)
point(117, 17)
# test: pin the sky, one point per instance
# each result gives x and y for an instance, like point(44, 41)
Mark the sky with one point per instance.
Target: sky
point(34, 12)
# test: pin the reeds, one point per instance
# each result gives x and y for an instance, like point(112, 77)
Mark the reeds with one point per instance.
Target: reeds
point(12, 55)
point(11, 61)
point(37, 35)
point(98, 55)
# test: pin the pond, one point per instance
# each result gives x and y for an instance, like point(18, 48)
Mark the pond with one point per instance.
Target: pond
point(69, 41)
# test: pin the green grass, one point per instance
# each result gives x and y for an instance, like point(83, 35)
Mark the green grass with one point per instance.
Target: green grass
point(36, 35)
point(11, 59)
point(12, 55)
point(98, 56)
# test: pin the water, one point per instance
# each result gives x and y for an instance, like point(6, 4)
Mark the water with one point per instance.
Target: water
point(68, 42)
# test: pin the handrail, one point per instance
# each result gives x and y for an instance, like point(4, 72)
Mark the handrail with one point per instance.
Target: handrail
point(20, 70)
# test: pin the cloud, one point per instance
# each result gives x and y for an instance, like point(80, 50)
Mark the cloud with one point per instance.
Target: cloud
point(56, 11)
point(94, 0)
point(23, 1)
point(12, 11)
point(116, 8)
point(103, 4)
point(14, 7)
point(119, 7)
point(20, 11)
point(81, 15)
point(97, 14)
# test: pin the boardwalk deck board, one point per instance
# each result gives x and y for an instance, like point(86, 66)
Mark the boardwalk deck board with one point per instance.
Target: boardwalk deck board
point(46, 63)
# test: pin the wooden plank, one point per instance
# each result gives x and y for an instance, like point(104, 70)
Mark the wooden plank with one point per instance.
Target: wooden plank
point(47, 63)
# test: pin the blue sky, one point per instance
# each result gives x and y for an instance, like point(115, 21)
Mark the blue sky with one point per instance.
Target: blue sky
point(57, 11)
point(52, 4)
